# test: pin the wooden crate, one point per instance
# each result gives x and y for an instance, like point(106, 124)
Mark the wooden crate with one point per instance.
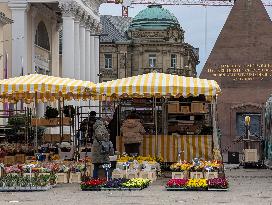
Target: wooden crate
point(45, 122)
point(179, 175)
point(152, 175)
point(67, 121)
point(173, 107)
point(197, 107)
point(211, 175)
point(251, 155)
point(47, 138)
point(43, 174)
point(62, 178)
point(118, 174)
point(66, 138)
point(131, 175)
point(75, 177)
point(56, 137)
point(196, 175)
point(20, 158)
point(9, 160)
point(184, 109)
point(28, 174)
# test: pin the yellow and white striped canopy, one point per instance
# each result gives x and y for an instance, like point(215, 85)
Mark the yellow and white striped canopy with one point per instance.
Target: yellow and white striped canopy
point(158, 84)
point(44, 88)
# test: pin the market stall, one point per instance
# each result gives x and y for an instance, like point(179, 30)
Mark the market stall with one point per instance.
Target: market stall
point(188, 99)
point(31, 90)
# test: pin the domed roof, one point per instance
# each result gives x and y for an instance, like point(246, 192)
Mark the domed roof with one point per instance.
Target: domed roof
point(154, 17)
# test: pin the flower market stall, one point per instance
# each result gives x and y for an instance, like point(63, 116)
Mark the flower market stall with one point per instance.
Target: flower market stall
point(176, 95)
point(35, 88)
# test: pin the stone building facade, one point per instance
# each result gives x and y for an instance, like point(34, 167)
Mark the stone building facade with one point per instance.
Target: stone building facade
point(152, 41)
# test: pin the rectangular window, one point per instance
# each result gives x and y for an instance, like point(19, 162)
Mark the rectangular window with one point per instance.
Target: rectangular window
point(108, 61)
point(255, 124)
point(173, 60)
point(152, 60)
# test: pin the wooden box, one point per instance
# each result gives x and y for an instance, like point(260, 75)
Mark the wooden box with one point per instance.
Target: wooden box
point(9, 160)
point(251, 155)
point(197, 107)
point(211, 175)
point(173, 107)
point(20, 158)
point(66, 138)
point(43, 174)
point(67, 121)
point(62, 178)
point(29, 175)
point(152, 175)
point(118, 174)
point(75, 177)
point(56, 137)
point(45, 122)
point(179, 175)
point(47, 138)
point(196, 175)
point(184, 109)
point(131, 175)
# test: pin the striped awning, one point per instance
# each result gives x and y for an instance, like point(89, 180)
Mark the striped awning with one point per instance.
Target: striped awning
point(158, 84)
point(43, 88)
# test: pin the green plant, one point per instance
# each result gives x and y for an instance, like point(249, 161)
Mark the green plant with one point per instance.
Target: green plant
point(69, 111)
point(51, 112)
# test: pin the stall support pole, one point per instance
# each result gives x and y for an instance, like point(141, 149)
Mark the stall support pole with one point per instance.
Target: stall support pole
point(36, 124)
point(156, 127)
point(216, 148)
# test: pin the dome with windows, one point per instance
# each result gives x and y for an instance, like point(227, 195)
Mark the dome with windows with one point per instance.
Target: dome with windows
point(154, 17)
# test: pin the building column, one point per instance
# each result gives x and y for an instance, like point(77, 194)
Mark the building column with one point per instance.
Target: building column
point(96, 58)
point(68, 48)
point(82, 32)
point(87, 54)
point(55, 50)
point(19, 36)
point(92, 57)
point(77, 51)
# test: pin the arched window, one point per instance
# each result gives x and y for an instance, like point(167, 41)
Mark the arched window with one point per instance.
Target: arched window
point(41, 37)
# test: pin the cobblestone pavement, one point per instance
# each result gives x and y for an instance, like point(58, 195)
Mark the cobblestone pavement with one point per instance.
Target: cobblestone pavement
point(247, 187)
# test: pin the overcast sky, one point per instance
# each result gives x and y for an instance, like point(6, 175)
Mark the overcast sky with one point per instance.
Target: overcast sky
point(193, 21)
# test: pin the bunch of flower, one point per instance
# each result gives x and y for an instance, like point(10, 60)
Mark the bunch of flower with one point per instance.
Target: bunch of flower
point(177, 183)
point(77, 167)
point(93, 183)
point(218, 183)
point(197, 183)
point(136, 183)
point(12, 169)
point(63, 168)
point(115, 183)
point(183, 166)
point(215, 165)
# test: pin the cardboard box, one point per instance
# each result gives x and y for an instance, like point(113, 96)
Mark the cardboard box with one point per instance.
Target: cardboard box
point(173, 107)
point(251, 155)
point(56, 138)
point(118, 174)
point(197, 107)
point(66, 138)
point(67, 121)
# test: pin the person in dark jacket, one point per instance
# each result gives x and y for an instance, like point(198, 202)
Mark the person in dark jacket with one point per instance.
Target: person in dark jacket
point(86, 127)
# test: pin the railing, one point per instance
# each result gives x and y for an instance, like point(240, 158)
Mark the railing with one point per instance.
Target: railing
point(176, 71)
point(150, 70)
point(109, 73)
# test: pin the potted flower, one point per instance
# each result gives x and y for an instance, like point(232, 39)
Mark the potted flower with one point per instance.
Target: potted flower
point(218, 184)
point(197, 184)
point(180, 170)
point(176, 184)
point(92, 185)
